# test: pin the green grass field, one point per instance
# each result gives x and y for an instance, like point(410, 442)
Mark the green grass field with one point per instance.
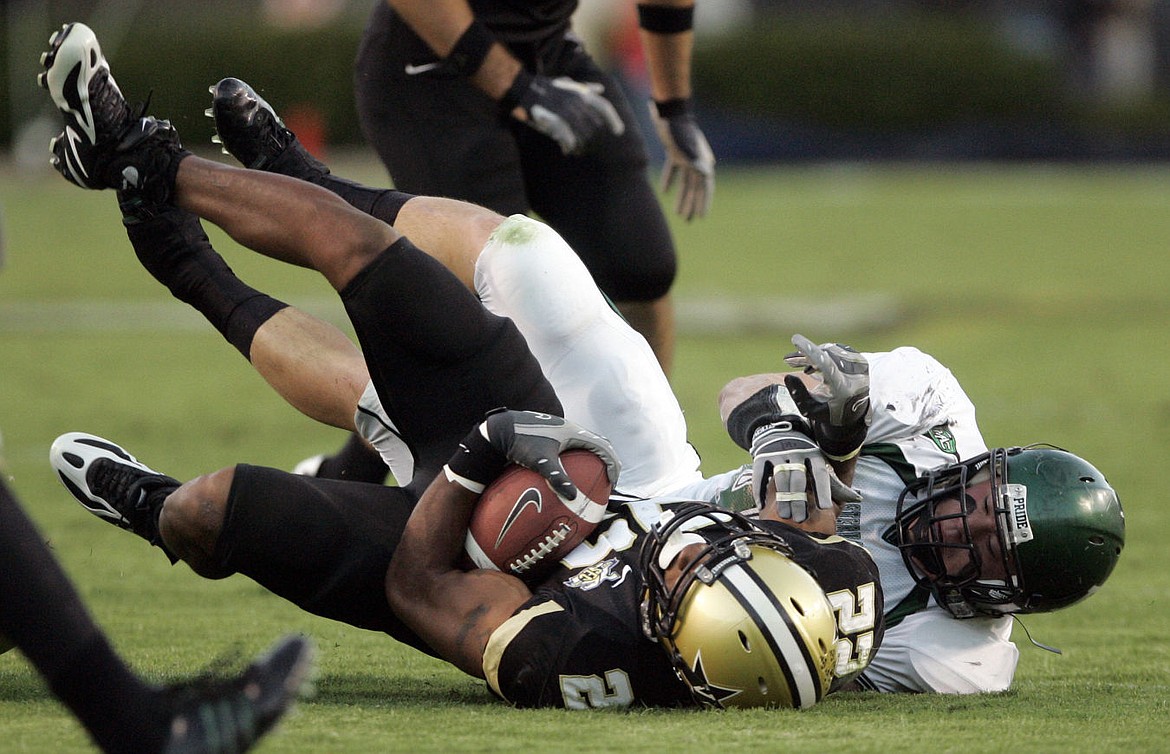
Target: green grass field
point(1044, 289)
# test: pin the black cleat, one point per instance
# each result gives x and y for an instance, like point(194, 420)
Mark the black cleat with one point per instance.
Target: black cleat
point(110, 483)
point(104, 144)
point(248, 128)
point(232, 715)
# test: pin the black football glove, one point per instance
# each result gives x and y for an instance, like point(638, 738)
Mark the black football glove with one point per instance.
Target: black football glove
point(533, 440)
point(838, 409)
point(569, 112)
point(689, 159)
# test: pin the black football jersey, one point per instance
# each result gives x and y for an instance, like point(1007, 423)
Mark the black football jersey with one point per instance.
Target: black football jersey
point(578, 642)
point(524, 22)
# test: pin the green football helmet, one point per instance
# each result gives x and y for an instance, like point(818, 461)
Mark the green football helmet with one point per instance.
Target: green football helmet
point(1059, 531)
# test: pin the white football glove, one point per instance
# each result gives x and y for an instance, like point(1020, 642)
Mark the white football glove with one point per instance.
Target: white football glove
point(838, 408)
point(689, 159)
point(783, 458)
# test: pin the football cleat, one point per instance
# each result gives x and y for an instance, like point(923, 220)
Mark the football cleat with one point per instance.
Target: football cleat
point(110, 483)
point(311, 466)
point(232, 715)
point(248, 128)
point(104, 144)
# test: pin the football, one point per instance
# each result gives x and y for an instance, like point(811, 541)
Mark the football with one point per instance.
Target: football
point(521, 527)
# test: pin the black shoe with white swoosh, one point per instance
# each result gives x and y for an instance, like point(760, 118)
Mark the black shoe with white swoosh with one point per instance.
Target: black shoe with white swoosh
point(104, 144)
point(110, 483)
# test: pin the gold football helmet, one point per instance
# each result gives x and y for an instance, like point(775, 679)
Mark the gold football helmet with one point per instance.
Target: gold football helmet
point(744, 625)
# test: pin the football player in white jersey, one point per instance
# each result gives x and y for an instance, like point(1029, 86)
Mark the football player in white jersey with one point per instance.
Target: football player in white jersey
point(963, 536)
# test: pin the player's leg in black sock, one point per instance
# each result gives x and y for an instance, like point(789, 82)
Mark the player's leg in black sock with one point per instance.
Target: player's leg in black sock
point(41, 613)
point(172, 246)
point(355, 460)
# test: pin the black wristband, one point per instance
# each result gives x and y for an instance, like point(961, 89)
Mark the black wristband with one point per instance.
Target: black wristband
point(511, 99)
point(753, 413)
point(469, 51)
point(672, 108)
point(665, 19)
point(477, 461)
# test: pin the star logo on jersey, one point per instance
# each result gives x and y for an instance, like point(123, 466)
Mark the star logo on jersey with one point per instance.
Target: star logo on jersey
point(530, 496)
point(707, 691)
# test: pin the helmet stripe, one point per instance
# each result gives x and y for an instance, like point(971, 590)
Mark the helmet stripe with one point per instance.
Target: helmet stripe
point(784, 640)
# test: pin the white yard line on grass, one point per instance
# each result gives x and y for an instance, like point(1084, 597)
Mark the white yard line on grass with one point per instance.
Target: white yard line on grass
point(713, 315)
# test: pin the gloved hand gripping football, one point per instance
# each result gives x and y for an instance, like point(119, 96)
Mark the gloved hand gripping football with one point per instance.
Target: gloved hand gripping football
point(530, 439)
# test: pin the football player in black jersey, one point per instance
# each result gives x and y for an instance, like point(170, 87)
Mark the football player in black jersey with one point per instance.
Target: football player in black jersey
point(326, 544)
point(499, 104)
point(668, 603)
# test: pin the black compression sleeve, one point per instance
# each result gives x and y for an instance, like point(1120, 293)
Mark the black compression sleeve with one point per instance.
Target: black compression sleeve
point(661, 19)
point(174, 249)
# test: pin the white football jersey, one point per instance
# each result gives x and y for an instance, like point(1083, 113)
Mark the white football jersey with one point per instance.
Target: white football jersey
point(922, 419)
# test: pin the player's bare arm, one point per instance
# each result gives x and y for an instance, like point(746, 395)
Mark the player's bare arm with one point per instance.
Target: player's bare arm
point(666, 28)
point(799, 427)
point(740, 389)
point(668, 54)
point(455, 611)
point(442, 23)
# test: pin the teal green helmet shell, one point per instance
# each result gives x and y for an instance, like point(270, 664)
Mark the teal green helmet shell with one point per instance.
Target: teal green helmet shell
point(1077, 526)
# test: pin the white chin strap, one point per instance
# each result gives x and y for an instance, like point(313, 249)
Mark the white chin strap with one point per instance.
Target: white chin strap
point(673, 546)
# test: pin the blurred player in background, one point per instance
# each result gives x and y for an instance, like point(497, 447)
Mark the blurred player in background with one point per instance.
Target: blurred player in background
point(499, 104)
point(43, 616)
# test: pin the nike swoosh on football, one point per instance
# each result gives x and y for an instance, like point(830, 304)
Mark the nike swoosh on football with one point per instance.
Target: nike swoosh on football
point(530, 496)
point(414, 70)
